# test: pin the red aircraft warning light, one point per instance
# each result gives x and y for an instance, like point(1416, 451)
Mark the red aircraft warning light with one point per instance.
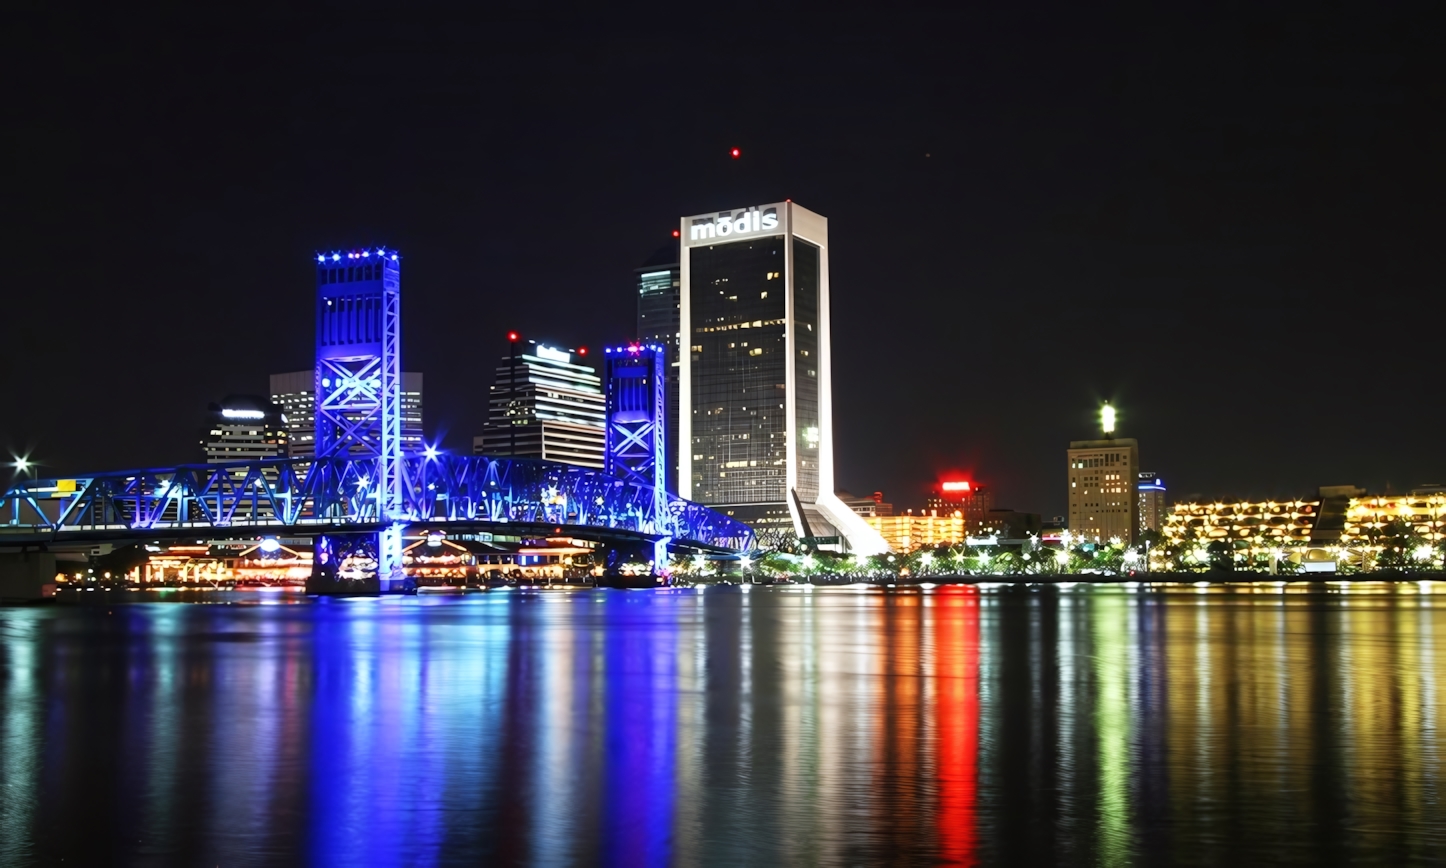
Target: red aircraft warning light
point(676, 233)
point(582, 351)
point(955, 485)
point(736, 153)
point(512, 336)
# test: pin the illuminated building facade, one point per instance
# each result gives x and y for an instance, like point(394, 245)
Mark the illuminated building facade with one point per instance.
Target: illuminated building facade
point(1103, 502)
point(1255, 524)
point(658, 310)
point(1150, 490)
point(1422, 514)
point(295, 394)
point(545, 405)
point(244, 428)
point(756, 424)
point(974, 501)
point(907, 532)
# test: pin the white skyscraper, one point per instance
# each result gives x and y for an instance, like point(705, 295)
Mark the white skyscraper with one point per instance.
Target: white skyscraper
point(756, 422)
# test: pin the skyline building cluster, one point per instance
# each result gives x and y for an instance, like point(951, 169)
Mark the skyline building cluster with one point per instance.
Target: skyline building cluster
point(738, 305)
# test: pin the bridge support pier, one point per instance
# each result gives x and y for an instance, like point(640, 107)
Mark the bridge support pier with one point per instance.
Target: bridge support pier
point(349, 564)
point(26, 576)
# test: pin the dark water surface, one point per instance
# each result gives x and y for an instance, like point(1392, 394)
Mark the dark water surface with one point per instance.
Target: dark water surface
point(1252, 725)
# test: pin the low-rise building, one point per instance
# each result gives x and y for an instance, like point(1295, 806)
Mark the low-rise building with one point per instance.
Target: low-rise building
point(1421, 514)
point(973, 500)
point(927, 529)
point(868, 507)
point(1265, 523)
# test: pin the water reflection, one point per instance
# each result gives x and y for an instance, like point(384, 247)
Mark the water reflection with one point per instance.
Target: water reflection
point(959, 726)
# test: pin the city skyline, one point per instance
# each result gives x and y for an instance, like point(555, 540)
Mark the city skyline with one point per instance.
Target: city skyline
point(992, 205)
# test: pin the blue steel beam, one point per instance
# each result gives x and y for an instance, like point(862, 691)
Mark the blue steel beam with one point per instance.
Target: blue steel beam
point(636, 414)
point(358, 380)
point(341, 492)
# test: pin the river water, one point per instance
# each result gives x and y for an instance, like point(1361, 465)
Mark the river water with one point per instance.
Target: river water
point(1244, 725)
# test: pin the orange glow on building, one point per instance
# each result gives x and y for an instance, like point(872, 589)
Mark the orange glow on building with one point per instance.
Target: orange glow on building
point(907, 532)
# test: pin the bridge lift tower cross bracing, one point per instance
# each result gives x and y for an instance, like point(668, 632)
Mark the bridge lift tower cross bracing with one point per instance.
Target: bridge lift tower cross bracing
point(636, 410)
point(359, 411)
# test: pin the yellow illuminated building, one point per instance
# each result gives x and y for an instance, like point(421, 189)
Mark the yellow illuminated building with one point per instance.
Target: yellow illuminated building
point(907, 532)
point(1366, 517)
point(1103, 503)
point(1266, 523)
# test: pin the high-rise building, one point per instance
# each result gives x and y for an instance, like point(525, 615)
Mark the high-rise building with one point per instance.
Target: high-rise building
point(545, 405)
point(295, 393)
point(658, 311)
point(973, 501)
point(244, 428)
point(1152, 502)
point(1103, 502)
point(756, 424)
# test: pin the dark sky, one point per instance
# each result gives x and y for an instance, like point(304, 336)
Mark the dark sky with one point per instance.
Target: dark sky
point(1227, 220)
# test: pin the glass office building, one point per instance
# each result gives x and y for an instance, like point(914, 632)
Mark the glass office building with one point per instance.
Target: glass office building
point(755, 426)
point(658, 305)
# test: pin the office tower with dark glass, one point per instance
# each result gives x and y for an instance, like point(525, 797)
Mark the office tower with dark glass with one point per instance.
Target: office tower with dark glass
point(658, 282)
point(755, 427)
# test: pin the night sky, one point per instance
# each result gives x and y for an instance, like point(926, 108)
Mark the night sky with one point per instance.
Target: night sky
point(1227, 222)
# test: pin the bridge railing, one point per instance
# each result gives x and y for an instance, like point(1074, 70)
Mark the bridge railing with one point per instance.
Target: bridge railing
point(342, 490)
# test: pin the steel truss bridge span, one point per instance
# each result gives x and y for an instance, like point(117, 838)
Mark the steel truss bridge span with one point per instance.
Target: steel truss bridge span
point(342, 494)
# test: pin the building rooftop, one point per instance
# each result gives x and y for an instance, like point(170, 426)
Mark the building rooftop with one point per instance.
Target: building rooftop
point(664, 257)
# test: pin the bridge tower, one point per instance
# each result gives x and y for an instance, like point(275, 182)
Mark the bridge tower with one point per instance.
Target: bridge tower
point(636, 414)
point(358, 409)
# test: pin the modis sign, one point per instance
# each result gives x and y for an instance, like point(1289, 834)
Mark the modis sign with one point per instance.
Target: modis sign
point(727, 225)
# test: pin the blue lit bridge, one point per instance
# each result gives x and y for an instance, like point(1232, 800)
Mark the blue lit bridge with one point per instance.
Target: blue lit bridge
point(362, 489)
